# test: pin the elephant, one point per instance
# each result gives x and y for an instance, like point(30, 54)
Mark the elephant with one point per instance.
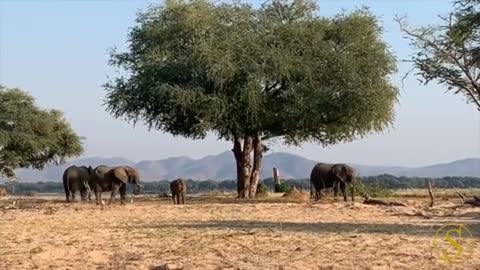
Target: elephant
point(77, 179)
point(114, 179)
point(178, 188)
point(324, 176)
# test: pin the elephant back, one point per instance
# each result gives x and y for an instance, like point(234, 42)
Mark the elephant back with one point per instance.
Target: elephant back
point(102, 170)
point(75, 171)
point(320, 170)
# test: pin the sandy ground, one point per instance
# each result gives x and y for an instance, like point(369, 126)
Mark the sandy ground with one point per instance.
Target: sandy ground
point(227, 234)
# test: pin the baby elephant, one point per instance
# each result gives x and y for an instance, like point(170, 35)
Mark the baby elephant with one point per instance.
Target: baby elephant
point(178, 188)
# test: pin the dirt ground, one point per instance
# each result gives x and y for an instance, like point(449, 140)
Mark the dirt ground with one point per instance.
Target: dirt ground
point(222, 233)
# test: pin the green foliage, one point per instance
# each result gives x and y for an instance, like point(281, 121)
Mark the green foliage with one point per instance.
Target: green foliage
point(375, 190)
point(282, 187)
point(450, 53)
point(262, 191)
point(194, 67)
point(30, 136)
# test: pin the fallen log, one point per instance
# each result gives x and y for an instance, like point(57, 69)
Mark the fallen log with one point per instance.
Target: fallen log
point(369, 200)
point(475, 201)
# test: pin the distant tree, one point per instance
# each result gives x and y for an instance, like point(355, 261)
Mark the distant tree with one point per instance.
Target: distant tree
point(450, 53)
point(249, 75)
point(207, 185)
point(30, 136)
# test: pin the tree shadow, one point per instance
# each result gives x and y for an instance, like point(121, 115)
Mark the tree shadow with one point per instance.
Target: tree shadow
point(318, 227)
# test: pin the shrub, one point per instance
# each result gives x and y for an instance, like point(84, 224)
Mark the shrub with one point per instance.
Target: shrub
point(282, 187)
point(372, 190)
point(262, 190)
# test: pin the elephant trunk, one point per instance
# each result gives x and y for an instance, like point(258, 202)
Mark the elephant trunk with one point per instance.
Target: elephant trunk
point(353, 190)
point(137, 189)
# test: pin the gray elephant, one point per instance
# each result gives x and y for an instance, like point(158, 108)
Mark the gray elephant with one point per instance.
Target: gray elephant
point(178, 188)
point(114, 179)
point(77, 179)
point(324, 176)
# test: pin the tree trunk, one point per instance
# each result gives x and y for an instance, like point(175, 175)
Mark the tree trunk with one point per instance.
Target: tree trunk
point(257, 163)
point(430, 192)
point(243, 161)
point(237, 152)
point(276, 179)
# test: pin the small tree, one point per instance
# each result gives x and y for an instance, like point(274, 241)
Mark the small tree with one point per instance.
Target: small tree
point(249, 75)
point(30, 136)
point(450, 53)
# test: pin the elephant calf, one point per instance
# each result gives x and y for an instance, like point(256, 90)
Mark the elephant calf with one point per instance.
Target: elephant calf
point(178, 188)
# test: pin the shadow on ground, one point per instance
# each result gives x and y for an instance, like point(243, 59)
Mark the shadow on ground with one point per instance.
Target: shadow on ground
point(320, 227)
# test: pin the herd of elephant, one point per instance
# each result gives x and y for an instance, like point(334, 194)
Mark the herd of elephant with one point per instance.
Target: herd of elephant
point(115, 179)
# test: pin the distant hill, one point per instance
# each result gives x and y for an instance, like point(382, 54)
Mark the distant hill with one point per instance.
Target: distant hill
point(222, 166)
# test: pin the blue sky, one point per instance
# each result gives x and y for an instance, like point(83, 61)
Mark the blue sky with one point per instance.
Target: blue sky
point(57, 51)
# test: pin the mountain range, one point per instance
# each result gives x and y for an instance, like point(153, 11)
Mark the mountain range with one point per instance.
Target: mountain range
point(222, 166)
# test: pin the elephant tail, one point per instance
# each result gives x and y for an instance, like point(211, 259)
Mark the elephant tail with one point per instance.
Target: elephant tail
point(66, 185)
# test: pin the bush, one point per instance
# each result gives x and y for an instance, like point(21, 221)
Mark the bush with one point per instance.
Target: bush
point(262, 190)
point(281, 188)
point(374, 190)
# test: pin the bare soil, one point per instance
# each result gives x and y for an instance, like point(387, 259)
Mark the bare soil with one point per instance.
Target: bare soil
point(227, 233)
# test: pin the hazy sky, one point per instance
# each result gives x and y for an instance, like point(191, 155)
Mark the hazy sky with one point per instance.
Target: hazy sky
point(57, 50)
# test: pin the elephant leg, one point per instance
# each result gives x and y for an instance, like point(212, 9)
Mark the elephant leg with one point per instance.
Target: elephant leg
point(335, 189)
point(123, 193)
point(83, 195)
point(343, 189)
point(72, 194)
point(100, 201)
point(173, 197)
point(115, 189)
point(182, 196)
point(98, 194)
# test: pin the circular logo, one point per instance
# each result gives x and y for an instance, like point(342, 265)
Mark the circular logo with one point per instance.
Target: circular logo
point(453, 244)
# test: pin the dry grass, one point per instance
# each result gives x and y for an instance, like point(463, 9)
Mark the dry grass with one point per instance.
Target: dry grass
point(443, 194)
point(297, 195)
point(224, 233)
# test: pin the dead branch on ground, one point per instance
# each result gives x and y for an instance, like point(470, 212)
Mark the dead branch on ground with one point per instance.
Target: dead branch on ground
point(369, 200)
point(475, 201)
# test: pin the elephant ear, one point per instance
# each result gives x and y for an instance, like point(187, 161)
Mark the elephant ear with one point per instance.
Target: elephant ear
point(132, 174)
point(121, 174)
point(340, 171)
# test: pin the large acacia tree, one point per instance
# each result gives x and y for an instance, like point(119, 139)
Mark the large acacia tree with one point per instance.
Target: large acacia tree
point(31, 136)
point(249, 75)
point(449, 53)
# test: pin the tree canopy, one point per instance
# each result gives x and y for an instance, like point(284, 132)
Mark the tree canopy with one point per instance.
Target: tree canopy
point(30, 136)
point(450, 53)
point(251, 74)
